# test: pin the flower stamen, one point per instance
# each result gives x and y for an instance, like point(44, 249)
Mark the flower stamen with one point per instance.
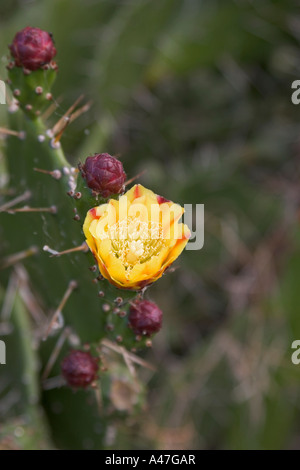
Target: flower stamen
point(134, 241)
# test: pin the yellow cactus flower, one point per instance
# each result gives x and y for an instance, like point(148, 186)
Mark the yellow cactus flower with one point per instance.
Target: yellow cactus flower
point(134, 239)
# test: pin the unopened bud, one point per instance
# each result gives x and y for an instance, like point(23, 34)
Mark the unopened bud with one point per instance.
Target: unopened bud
point(104, 174)
point(145, 318)
point(32, 48)
point(79, 368)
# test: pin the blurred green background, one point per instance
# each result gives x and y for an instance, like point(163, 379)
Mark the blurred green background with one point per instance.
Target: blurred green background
point(198, 93)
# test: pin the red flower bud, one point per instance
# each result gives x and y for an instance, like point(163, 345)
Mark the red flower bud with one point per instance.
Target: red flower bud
point(79, 368)
point(145, 318)
point(32, 48)
point(104, 174)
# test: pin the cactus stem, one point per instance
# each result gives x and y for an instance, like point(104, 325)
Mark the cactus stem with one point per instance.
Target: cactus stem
point(19, 134)
point(56, 350)
point(72, 285)
point(56, 174)
point(15, 258)
point(51, 209)
point(58, 157)
point(23, 197)
point(83, 247)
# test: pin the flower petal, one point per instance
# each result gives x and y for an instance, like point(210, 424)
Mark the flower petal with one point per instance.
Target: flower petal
point(122, 263)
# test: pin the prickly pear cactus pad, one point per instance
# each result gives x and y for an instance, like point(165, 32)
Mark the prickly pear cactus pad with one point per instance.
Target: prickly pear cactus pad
point(80, 248)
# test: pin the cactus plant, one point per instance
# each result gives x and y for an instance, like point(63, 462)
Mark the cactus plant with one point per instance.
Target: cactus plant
point(63, 293)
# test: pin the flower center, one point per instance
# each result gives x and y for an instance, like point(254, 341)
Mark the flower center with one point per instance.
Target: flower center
point(134, 241)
